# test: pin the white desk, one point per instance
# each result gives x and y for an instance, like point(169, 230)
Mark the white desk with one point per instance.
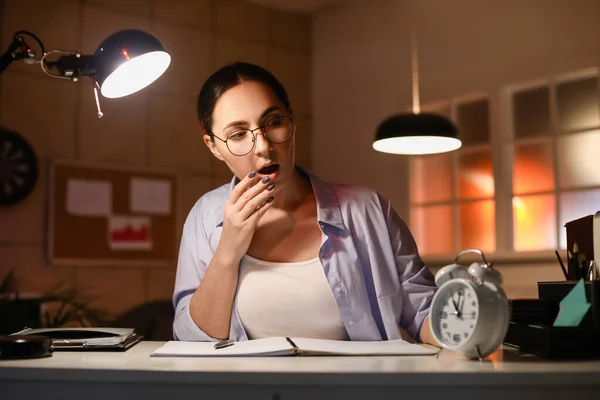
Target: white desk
point(135, 375)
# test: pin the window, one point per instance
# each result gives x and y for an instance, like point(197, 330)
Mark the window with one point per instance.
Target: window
point(452, 194)
point(515, 183)
point(555, 145)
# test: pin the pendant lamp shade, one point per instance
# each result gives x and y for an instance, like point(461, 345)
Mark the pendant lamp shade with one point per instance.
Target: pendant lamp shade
point(128, 61)
point(413, 134)
point(416, 132)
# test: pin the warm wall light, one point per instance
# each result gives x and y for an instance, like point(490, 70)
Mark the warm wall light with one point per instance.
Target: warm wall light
point(124, 63)
point(416, 133)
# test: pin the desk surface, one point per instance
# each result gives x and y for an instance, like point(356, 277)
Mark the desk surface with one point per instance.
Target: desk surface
point(352, 375)
point(136, 363)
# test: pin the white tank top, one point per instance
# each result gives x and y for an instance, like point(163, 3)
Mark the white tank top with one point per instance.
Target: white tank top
point(287, 299)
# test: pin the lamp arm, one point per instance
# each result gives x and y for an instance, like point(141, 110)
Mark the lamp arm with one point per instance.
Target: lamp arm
point(20, 50)
point(6, 59)
point(17, 50)
point(72, 65)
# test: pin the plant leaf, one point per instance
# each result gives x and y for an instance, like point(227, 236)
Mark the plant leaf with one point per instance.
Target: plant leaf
point(8, 285)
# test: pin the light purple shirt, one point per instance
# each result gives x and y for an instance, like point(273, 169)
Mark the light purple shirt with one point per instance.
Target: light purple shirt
point(369, 258)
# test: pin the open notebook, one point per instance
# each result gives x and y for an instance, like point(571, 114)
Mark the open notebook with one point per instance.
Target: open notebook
point(282, 346)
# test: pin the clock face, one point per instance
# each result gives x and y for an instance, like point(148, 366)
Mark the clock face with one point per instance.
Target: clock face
point(455, 313)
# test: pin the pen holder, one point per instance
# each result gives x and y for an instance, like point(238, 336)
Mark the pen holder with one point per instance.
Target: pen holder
point(555, 291)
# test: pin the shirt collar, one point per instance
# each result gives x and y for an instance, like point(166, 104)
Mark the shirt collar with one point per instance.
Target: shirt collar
point(328, 205)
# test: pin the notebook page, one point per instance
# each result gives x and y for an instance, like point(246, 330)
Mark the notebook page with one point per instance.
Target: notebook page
point(275, 346)
point(338, 347)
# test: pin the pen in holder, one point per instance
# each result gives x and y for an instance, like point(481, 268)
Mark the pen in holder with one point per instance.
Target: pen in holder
point(562, 266)
point(578, 265)
point(593, 272)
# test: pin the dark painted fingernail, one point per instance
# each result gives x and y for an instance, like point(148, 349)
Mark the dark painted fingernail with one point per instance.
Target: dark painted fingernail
point(270, 199)
point(271, 187)
point(266, 179)
point(251, 175)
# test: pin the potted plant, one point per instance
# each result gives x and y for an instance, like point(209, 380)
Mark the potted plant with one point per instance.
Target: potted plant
point(61, 306)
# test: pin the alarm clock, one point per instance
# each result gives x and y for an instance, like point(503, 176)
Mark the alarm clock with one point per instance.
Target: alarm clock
point(469, 311)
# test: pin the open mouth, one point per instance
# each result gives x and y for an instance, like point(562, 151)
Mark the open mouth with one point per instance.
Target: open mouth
point(268, 170)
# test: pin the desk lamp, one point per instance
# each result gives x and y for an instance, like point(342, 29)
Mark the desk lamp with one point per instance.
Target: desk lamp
point(124, 63)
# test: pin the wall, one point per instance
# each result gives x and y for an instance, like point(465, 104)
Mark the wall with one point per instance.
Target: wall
point(153, 128)
point(361, 73)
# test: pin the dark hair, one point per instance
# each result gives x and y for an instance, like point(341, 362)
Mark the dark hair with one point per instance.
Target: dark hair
point(227, 77)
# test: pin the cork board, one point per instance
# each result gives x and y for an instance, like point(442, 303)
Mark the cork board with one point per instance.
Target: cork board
point(109, 215)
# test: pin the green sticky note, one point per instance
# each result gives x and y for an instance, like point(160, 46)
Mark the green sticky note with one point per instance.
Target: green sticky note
point(573, 307)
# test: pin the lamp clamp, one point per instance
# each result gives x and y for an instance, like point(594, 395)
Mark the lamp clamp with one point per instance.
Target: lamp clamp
point(73, 65)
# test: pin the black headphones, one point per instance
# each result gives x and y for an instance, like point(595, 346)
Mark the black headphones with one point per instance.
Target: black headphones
point(14, 347)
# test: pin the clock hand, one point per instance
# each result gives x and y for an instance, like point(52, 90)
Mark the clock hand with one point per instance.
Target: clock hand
point(455, 305)
point(456, 308)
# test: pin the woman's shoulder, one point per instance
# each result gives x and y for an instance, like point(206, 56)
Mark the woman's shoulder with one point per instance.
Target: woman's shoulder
point(210, 204)
point(217, 196)
point(356, 195)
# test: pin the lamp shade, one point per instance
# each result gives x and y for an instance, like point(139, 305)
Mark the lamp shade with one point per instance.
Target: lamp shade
point(413, 134)
point(128, 61)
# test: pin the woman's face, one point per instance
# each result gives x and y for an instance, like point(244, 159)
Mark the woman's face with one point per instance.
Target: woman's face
point(248, 106)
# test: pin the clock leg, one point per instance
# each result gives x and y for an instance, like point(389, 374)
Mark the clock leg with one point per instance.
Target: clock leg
point(479, 353)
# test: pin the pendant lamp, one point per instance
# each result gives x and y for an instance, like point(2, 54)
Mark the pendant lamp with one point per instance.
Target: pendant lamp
point(416, 133)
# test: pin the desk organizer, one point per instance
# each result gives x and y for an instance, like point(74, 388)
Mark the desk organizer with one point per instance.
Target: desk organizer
point(554, 292)
point(554, 342)
point(532, 311)
point(531, 329)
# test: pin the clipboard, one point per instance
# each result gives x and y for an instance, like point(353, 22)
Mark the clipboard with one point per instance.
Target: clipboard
point(123, 346)
point(87, 339)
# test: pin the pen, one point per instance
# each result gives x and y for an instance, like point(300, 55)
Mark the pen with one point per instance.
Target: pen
point(224, 343)
point(562, 266)
point(574, 263)
point(576, 259)
point(593, 271)
point(583, 268)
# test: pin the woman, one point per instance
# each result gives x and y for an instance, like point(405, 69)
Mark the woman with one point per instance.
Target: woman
point(279, 252)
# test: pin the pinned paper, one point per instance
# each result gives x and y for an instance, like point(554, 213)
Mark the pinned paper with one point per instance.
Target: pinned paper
point(89, 198)
point(129, 233)
point(573, 307)
point(150, 196)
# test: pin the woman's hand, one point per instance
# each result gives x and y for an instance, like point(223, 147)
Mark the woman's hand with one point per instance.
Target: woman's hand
point(425, 333)
point(248, 202)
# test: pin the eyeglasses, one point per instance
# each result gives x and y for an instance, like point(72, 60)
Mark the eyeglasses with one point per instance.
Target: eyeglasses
point(241, 141)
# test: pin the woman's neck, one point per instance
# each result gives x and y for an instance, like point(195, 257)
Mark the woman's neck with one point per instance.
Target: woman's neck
point(295, 193)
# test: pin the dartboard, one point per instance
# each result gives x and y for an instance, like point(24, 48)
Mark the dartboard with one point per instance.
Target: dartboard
point(18, 168)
